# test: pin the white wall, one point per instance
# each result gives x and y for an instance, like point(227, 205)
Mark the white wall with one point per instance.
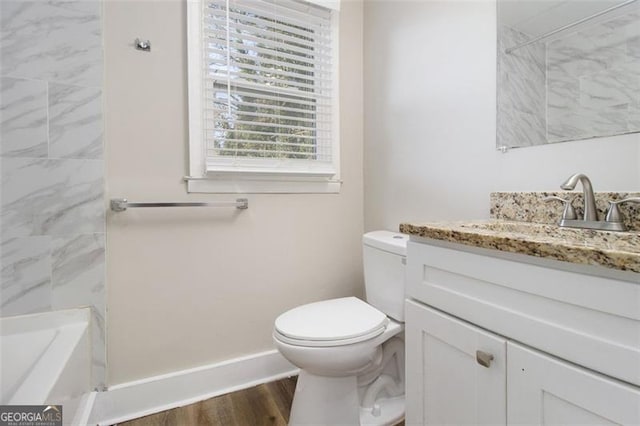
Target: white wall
point(430, 106)
point(195, 286)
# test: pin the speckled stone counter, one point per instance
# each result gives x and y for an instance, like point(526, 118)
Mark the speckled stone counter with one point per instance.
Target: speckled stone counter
point(615, 250)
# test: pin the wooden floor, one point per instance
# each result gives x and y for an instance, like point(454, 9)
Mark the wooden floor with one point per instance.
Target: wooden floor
point(267, 404)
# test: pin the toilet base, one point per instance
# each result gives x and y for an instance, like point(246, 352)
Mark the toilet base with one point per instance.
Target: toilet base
point(320, 400)
point(390, 411)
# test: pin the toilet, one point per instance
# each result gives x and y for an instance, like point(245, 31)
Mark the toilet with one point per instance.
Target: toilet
point(350, 352)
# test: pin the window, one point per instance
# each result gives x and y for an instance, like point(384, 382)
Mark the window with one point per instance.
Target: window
point(263, 111)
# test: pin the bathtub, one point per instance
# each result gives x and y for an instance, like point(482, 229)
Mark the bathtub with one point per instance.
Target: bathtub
point(45, 359)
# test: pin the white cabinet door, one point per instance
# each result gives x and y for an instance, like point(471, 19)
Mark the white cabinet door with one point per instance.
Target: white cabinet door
point(445, 382)
point(544, 390)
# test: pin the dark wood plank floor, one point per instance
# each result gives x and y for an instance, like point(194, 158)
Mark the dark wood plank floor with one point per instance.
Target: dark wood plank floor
point(267, 404)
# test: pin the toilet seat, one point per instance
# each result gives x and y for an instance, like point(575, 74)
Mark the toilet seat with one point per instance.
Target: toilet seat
point(334, 322)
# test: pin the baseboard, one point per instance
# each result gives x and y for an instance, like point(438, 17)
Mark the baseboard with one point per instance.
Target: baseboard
point(143, 397)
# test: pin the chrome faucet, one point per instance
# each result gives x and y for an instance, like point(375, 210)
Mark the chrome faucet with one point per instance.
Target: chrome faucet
point(613, 220)
point(590, 210)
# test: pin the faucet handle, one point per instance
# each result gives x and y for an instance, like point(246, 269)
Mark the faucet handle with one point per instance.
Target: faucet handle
point(569, 212)
point(614, 214)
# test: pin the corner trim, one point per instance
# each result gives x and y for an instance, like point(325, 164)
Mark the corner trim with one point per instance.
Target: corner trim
point(140, 398)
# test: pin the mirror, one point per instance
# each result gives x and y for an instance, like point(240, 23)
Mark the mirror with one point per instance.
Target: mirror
point(567, 70)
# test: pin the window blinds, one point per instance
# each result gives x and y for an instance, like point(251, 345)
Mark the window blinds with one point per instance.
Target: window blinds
point(267, 85)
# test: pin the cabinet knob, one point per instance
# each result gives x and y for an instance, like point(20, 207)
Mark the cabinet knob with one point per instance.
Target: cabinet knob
point(484, 358)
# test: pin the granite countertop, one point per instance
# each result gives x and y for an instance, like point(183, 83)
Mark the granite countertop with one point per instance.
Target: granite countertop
point(615, 250)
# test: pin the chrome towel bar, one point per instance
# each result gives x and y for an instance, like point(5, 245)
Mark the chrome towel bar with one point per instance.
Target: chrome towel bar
point(122, 204)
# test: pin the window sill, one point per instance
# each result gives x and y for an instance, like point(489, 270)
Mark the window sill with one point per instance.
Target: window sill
point(262, 185)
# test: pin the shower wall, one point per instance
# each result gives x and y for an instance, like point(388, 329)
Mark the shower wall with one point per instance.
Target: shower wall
point(521, 101)
point(593, 81)
point(579, 86)
point(52, 220)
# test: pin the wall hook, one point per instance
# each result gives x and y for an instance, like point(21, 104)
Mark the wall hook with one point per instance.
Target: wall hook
point(144, 45)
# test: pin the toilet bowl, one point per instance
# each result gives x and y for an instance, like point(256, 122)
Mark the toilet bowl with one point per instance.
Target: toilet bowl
point(350, 352)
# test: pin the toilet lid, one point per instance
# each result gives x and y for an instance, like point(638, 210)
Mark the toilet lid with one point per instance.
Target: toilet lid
point(335, 321)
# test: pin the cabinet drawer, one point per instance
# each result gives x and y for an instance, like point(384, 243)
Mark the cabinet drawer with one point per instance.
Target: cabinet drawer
point(588, 320)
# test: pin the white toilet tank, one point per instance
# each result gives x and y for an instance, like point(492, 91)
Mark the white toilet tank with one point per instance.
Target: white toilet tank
point(384, 258)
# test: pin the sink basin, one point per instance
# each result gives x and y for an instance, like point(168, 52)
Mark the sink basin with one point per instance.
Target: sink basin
point(604, 240)
point(512, 227)
point(615, 250)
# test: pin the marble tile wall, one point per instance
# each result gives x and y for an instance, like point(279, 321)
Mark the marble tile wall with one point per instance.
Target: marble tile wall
point(593, 80)
point(52, 220)
point(521, 118)
point(583, 85)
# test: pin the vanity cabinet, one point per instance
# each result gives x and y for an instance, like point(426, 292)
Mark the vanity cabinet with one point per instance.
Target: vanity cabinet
point(565, 345)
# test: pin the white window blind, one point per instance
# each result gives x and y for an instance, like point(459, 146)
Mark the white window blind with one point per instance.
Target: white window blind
point(268, 86)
